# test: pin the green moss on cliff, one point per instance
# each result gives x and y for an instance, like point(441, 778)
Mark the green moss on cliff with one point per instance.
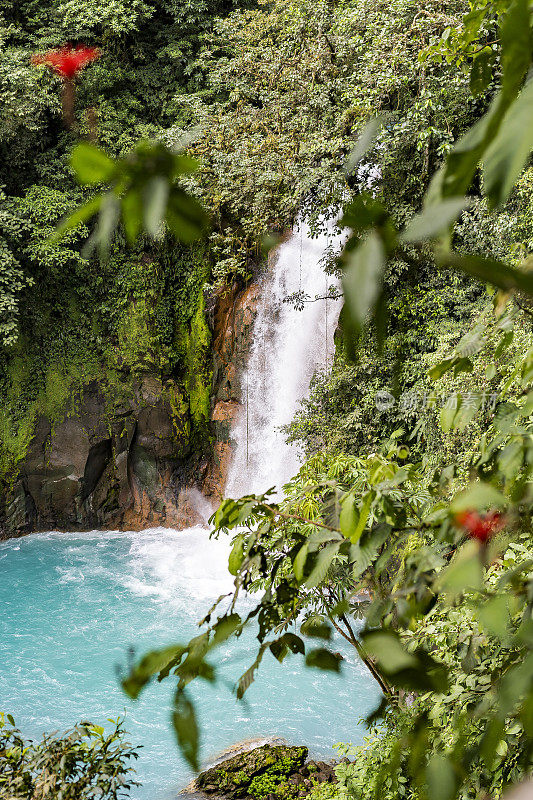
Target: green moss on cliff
point(30, 388)
point(194, 343)
point(181, 421)
point(15, 437)
point(137, 344)
point(147, 316)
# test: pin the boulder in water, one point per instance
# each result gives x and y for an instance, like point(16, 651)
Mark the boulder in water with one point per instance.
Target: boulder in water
point(256, 773)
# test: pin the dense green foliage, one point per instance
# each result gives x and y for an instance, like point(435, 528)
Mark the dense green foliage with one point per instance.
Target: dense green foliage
point(83, 763)
point(447, 620)
point(375, 521)
point(269, 99)
point(66, 317)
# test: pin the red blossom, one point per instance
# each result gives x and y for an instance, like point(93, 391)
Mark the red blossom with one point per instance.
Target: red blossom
point(480, 527)
point(68, 61)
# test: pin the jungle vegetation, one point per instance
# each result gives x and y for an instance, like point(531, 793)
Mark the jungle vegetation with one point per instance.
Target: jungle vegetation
point(425, 507)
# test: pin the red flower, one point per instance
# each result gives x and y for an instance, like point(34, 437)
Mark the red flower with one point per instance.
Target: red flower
point(68, 61)
point(480, 527)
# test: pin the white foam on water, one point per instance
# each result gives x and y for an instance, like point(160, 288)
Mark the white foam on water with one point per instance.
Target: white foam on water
point(60, 641)
point(182, 567)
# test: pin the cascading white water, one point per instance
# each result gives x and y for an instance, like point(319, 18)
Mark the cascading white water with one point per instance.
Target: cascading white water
point(289, 345)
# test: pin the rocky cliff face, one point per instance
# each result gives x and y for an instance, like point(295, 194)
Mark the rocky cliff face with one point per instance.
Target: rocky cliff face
point(232, 331)
point(128, 466)
point(135, 461)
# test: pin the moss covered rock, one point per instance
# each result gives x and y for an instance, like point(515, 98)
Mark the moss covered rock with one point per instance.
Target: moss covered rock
point(256, 773)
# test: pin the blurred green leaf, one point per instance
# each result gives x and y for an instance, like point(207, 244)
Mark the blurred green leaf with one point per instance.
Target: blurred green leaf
point(186, 728)
point(324, 659)
point(386, 648)
point(287, 642)
point(449, 411)
point(142, 190)
point(362, 277)
point(434, 220)
point(464, 574)
point(185, 217)
point(349, 517)
point(237, 554)
point(507, 155)
point(504, 343)
point(299, 562)
point(494, 733)
point(155, 198)
point(362, 213)
point(462, 365)
point(107, 223)
point(478, 495)
point(494, 616)
point(462, 161)
point(496, 272)
point(316, 628)
point(440, 369)
point(440, 778)
point(91, 164)
point(416, 670)
point(132, 214)
point(515, 35)
point(224, 627)
point(481, 72)
point(151, 664)
point(246, 680)
point(364, 143)
point(78, 217)
point(322, 565)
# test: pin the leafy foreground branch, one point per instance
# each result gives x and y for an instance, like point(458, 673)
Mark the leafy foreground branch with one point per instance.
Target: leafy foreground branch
point(499, 144)
point(82, 763)
point(445, 579)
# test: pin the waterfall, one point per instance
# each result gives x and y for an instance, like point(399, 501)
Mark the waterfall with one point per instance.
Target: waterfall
point(288, 346)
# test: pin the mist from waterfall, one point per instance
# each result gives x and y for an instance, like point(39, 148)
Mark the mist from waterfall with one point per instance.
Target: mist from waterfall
point(289, 346)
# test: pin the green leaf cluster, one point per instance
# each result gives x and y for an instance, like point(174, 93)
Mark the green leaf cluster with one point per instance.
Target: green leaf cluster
point(78, 764)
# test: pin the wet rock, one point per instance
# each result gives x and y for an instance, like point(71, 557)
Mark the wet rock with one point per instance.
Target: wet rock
point(98, 458)
point(131, 461)
point(123, 464)
point(234, 312)
point(254, 772)
point(267, 772)
point(18, 513)
point(234, 315)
